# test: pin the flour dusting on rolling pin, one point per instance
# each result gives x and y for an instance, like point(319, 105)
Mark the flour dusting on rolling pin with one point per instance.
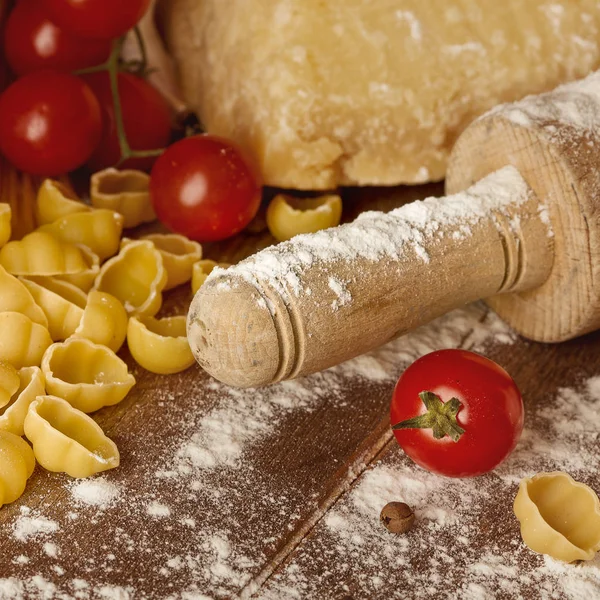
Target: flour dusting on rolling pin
point(519, 229)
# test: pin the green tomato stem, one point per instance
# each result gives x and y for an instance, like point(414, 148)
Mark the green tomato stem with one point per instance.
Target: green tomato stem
point(440, 417)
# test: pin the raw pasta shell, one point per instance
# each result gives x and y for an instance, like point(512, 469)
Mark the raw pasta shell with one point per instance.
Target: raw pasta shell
point(9, 382)
point(86, 375)
point(201, 270)
point(31, 385)
point(160, 345)
point(16, 466)
point(559, 516)
point(84, 280)
point(55, 200)
point(66, 440)
point(22, 342)
point(15, 297)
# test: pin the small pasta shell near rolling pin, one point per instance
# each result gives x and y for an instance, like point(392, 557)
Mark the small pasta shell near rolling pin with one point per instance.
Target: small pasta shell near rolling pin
point(66, 440)
point(136, 276)
point(559, 516)
point(40, 253)
point(288, 216)
point(5, 226)
point(124, 191)
point(9, 382)
point(178, 252)
point(100, 230)
point(160, 345)
point(16, 466)
point(31, 385)
point(23, 342)
point(87, 375)
point(55, 201)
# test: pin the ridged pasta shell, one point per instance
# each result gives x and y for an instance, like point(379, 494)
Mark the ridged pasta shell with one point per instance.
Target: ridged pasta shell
point(15, 297)
point(66, 440)
point(178, 253)
point(9, 382)
point(55, 200)
point(136, 276)
point(85, 279)
point(100, 230)
point(16, 466)
point(160, 345)
point(87, 375)
point(23, 342)
point(125, 191)
point(40, 253)
point(559, 516)
point(31, 385)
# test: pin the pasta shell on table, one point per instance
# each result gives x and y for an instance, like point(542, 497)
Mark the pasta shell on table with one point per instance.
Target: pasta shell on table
point(288, 216)
point(15, 297)
point(66, 440)
point(9, 382)
point(104, 321)
point(40, 253)
point(5, 223)
point(22, 342)
point(63, 310)
point(559, 516)
point(87, 375)
point(85, 279)
point(56, 200)
point(178, 252)
point(100, 230)
point(31, 385)
point(202, 269)
point(160, 345)
point(16, 466)
point(124, 191)
point(136, 276)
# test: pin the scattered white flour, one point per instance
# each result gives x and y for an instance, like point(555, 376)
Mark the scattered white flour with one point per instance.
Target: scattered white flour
point(96, 492)
point(341, 291)
point(156, 509)
point(27, 527)
point(51, 549)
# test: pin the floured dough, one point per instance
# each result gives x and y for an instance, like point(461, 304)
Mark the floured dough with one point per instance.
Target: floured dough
point(368, 92)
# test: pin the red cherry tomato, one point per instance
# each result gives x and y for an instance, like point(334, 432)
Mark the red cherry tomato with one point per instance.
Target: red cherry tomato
point(205, 188)
point(146, 119)
point(477, 406)
point(33, 42)
point(102, 19)
point(49, 123)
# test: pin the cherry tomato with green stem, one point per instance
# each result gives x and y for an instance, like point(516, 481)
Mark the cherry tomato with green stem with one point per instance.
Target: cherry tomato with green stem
point(206, 188)
point(33, 42)
point(146, 120)
point(457, 413)
point(49, 123)
point(103, 19)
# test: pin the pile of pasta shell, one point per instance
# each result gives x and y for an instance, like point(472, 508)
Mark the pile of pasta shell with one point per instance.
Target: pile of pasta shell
point(72, 291)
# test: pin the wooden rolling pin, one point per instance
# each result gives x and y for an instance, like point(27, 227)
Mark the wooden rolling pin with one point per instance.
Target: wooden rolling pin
point(524, 234)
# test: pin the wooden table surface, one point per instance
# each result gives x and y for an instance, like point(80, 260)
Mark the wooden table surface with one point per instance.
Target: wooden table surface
point(276, 493)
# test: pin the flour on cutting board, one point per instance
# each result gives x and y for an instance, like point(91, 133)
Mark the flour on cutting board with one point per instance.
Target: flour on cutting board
point(404, 233)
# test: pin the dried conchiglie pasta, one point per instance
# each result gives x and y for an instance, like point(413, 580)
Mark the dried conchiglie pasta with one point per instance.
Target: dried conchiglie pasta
point(100, 230)
point(202, 269)
point(61, 302)
point(66, 440)
point(9, 382)
point(85, 279)
point(31, 385)
point(136, 276)
point(16, 466)
point(288, 216)
point(55, 200)
point(22, 342)
point(40, 253)
point(104, 321)
point(559, 516)
point(124, 191)
point(178, 253)
point(5, 220)
point(160, 345)
point(87, 375)
point(15, 297)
